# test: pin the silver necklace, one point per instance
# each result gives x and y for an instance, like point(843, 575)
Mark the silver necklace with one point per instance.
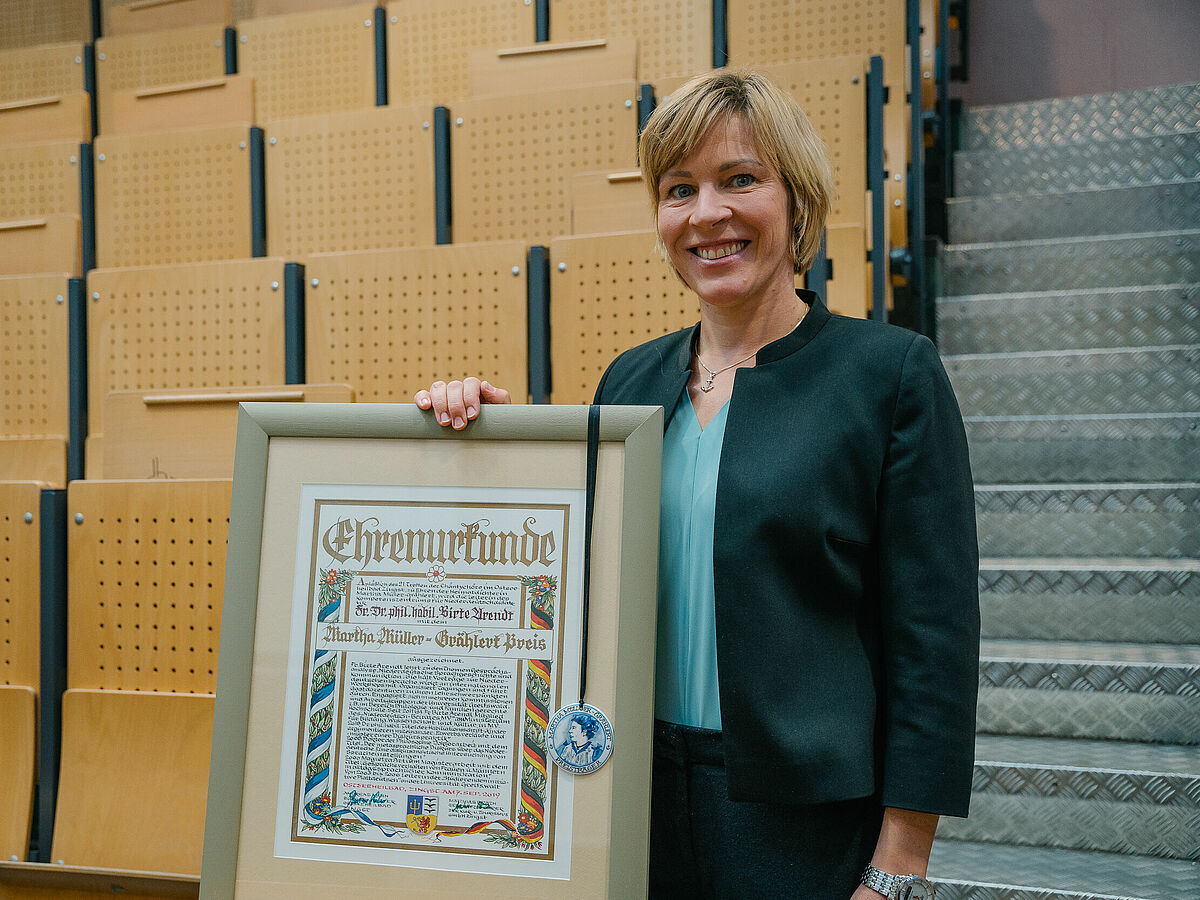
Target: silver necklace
point(708, 384)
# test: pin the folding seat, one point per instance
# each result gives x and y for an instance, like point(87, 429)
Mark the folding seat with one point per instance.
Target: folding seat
point(429, 43)
point(608, 292)
point(389, 322)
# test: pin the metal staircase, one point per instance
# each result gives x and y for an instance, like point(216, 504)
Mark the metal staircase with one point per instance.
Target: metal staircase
point(1071, 331)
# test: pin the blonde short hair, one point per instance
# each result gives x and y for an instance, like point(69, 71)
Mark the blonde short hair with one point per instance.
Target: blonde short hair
point(781, 131)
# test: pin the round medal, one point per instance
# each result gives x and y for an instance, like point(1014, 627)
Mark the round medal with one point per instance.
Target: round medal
point(580, 738)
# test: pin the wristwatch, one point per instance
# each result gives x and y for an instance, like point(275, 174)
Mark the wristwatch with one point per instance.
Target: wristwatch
point(897, 887)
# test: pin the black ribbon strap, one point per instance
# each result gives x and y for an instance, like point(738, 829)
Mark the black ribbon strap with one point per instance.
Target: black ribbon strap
point(593, 451)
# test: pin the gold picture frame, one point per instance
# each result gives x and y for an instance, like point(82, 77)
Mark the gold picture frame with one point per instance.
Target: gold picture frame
point(282, 447)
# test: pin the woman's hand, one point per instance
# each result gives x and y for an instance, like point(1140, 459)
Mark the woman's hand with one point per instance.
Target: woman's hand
point(457, 403)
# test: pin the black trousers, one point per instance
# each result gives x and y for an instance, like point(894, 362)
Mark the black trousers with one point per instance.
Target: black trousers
point(704, 845)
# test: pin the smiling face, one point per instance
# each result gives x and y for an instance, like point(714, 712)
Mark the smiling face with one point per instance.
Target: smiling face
point(724, 218)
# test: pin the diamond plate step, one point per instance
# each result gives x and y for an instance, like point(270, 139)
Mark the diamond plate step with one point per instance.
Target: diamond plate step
point(1130, 162)
point(1090, 520)
point(1136, 601)
point(1078, 382)
point(1094, 211)
point(1113, 796)
point(981, 871)
point(1094, 117)
point(1058, 449)
point(1138, 316)
point(1159, 258)
point(1106, 691)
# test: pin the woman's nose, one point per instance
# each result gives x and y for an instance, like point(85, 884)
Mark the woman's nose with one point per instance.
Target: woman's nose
point(710, 207)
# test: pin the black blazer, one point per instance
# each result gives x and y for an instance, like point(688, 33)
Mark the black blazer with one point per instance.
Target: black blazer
point(845, 564)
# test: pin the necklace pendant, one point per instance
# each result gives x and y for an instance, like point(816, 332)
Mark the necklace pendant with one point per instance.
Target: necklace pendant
point(708, 385)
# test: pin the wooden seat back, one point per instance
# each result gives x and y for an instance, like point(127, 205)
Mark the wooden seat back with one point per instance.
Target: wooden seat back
point(145, 576)
point(41, 459)
point(389, 322)
point(674, 36)
point(31, 23)
point(429, 44)
point(39, 179)
point(188, 433)
point(20, 551)
point(512, 157)
point(33, 356)
point(47, 71)
point(47, 118)
point(173, 196)
point(769, 32)
point(198, 326)
point(122, 750)
point(310, 62)
point(42, 244)
point(608, 292)
point(176, 56)
point(18, 749)
point(528, 69)
point(356, 180)
point(609, 201)
point(140, 17)
point(194, 104)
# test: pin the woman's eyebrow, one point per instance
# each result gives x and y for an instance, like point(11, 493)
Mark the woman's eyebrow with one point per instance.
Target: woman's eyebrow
point(677, 173)
point(733, 164)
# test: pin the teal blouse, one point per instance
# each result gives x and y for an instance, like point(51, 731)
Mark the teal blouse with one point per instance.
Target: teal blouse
point(686, 661)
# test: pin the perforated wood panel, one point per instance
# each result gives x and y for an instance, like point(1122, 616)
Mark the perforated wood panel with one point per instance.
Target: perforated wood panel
point(39, 179)
point(251, 9)
point(41, 71)
point(165, 57)
point(33, 355)
point(140, 16)
point(929, 42)
point(512, 157)
point(29, 23)
point(849, 291)
point(430, 41)
point(45, 244)
point(526, 70)
point(62, 117)
point(350, 181)
point(833, 92)
point(308, 63)
point(391, 322)
point(609, 201)
point(764, 32)
point(196, 104)
point(20, 581)
point(34, 459)
point(195, 326)
point(608, 293)
point(18, 746)
point(674, 36)
point(176, 196)
point(189, 433)
point(575, 20)
point(117, 746)
point(145, 575)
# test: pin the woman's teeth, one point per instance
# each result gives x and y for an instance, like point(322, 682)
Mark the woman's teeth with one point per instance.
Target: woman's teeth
point(720, 252)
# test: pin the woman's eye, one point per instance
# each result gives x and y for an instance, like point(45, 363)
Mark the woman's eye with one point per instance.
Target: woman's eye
point(680, 192)
point(742, 180)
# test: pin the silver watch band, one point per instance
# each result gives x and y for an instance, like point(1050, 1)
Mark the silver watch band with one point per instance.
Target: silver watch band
point(887, 883)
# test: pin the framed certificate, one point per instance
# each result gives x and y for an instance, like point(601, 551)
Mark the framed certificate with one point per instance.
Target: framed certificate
point(403, 616)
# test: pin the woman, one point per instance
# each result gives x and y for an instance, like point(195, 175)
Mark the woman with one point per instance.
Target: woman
point(818, 608)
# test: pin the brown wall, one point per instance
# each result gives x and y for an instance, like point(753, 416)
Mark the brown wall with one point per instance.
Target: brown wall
point(1033, 49)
